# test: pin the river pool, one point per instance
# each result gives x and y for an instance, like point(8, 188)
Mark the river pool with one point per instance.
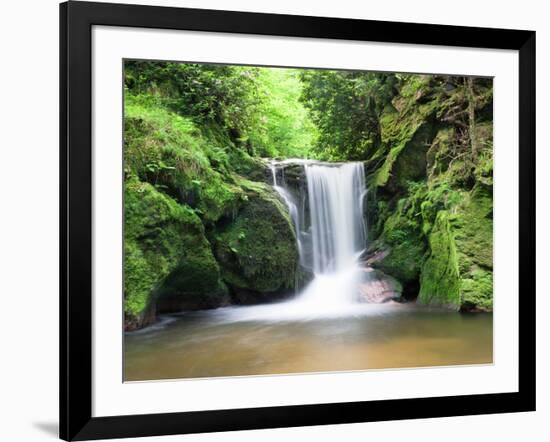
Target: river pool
point(240, 341)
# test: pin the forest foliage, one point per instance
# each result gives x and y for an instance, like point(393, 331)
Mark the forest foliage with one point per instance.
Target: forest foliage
point(257, 109)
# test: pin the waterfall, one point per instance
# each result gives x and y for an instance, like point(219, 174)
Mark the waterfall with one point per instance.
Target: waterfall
point(325, 203)
point(336, 211)
point(330, 230)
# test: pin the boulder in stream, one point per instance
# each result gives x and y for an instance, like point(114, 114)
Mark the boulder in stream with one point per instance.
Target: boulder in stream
point(377, 287)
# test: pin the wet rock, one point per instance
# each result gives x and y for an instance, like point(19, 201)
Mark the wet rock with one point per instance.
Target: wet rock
point(377, 287)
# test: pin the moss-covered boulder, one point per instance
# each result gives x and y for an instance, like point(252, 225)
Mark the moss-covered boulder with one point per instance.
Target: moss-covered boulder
point(458, 274)
point(473, 233)
point(440, 279)
point(165, 254)
point(403, 244)
point(257, 250)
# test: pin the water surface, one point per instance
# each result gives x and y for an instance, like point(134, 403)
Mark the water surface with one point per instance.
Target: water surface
point(238, 341)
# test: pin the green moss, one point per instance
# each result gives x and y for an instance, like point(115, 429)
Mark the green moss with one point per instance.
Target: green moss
point(474, 228)
point(474, 243)
point(140, 277)
point(440, 279)
point(406, 135)
point(438, 155)
point(403, 261)
point(414, 89)
point(396, 135)
point(477, 290)
point(427, 210)
point(458, 272)
point(484, 166)
point(402, 233)
point(410, 164)
point(247, 166)
point(165, 250)
point(152, 224)
point(257, 251)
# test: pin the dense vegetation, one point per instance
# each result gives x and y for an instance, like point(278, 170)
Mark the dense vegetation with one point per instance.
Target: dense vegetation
point(204, 228)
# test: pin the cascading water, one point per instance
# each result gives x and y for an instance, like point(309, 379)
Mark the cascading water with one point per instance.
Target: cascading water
point(335, 204)
point(333, 239)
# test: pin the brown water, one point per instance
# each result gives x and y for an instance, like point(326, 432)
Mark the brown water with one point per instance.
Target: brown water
point(230, 342)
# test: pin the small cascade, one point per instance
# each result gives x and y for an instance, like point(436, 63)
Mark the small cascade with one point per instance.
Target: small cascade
point(292, 210)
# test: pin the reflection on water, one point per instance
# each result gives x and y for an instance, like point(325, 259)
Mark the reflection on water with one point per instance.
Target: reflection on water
point(232, 342)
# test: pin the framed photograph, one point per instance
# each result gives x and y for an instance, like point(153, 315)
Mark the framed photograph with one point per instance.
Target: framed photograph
point(273, 220)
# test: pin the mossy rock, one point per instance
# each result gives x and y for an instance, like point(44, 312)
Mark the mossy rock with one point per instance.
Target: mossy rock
point(410, 164)
point(166, 253)
point(473, 231)
point(402, 237)
point(440, 279)
point(458, 274)
point(406, 136)
point(257, 250)
point(404, 260)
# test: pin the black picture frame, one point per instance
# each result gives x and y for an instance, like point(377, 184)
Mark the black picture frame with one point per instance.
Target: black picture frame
point(76, 21)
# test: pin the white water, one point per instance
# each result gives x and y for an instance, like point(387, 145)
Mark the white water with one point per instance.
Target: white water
point(335, 194)
point(336, 211)
point(329, 241)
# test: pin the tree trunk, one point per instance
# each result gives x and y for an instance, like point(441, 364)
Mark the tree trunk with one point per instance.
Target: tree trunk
point(471, 115)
